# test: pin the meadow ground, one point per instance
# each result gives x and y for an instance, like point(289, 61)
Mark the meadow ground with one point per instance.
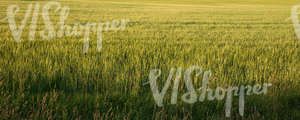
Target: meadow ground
point(242, 42)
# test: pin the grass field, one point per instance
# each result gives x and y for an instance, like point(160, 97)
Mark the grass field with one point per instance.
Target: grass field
point(242, 42)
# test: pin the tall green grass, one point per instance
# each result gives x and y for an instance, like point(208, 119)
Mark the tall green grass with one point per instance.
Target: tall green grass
point(240, 42)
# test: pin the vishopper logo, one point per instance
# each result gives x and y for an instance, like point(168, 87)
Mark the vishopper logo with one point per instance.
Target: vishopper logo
point(49, 33)
point(205, 91)
point(295, 19)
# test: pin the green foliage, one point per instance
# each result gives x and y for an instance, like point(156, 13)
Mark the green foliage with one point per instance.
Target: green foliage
point(241, 42)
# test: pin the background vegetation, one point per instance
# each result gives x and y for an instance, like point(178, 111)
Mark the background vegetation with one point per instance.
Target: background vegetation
point(242, 42)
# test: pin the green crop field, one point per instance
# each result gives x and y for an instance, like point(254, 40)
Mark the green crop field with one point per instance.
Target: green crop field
point(241, 42)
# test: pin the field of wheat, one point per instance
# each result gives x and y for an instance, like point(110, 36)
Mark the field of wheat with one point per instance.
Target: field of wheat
point(241, 42)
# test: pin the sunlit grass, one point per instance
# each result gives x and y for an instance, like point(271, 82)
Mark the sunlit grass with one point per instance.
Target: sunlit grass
point(240, 42)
